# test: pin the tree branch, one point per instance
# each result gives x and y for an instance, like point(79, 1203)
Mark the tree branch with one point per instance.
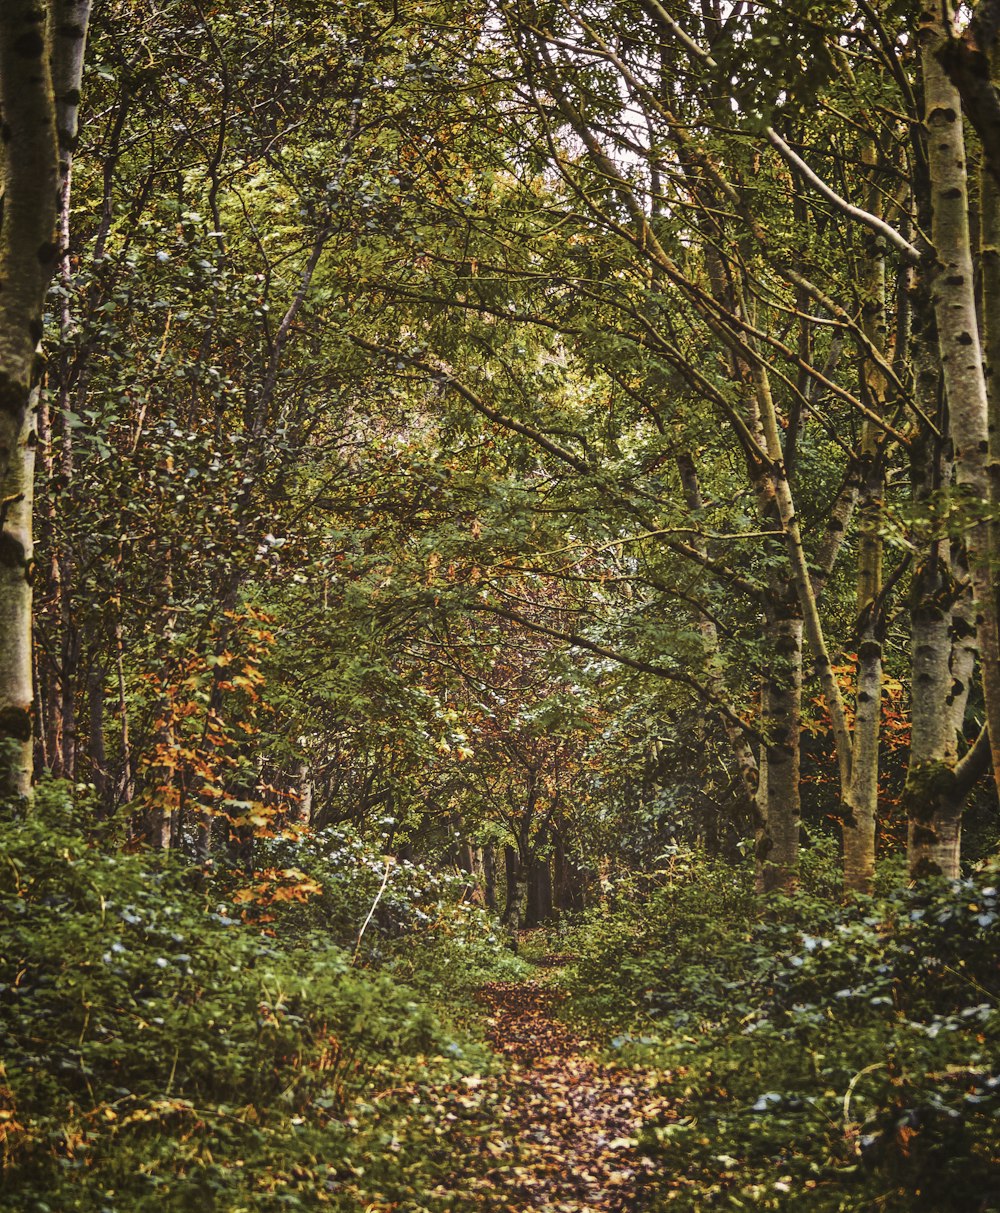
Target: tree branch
point(633, 663)
point(974, 764)
point(909, 251)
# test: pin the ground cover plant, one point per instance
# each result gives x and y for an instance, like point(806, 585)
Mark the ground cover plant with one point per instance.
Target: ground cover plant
point(161, 1050)
point(843, 1055)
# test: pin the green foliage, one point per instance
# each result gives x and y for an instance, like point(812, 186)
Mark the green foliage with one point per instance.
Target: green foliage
point(422, 928)
point(400, 366)
point(623, 944)
point(837, 1056)
point(160, 1052)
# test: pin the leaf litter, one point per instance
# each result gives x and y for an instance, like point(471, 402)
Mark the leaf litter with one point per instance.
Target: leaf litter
point(552, 1128)
point(569, 1122)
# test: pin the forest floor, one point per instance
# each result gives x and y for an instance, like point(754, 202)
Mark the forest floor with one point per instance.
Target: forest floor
point(569, 1121)
point(555, 1127)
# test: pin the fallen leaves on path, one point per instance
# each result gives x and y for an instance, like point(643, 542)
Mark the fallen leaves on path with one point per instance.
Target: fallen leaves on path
point(565, 1125)
point(551, 1129)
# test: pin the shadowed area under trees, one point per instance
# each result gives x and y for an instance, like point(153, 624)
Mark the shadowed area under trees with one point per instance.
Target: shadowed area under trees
point(499, 623)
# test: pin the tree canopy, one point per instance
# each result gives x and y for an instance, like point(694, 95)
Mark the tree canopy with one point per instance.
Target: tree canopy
point(472, 468)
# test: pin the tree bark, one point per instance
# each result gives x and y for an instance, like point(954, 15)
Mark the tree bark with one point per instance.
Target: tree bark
point(539, 900)
point(861, 801)
point(489, 876)
point(96, 751)
point(779, 804)
point(41, 65)
point(515, 906)
point(303, 807)
point(29, 161)
point(928, 796)
point(961, 351)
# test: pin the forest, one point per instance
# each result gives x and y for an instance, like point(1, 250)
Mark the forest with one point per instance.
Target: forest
point(499, 606)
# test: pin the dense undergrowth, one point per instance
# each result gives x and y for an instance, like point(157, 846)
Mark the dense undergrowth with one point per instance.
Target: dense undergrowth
point(827, 1056)
point(176, 1042)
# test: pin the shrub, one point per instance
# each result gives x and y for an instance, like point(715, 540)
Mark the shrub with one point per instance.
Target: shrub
point(825, 1056)
point(159, 1052)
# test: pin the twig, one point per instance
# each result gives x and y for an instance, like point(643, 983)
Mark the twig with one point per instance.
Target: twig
point(878, 1065)
point(378, 897)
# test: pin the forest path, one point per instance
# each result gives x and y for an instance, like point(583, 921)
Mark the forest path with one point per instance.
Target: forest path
point(563, 1125)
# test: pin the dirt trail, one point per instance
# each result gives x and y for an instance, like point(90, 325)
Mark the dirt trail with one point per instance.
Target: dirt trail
point(564, 1124)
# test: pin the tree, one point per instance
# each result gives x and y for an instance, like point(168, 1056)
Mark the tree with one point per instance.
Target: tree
point(41, 68)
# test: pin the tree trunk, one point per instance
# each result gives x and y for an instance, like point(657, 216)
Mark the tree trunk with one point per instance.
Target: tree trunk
point(96, 752)
point(934, 834)
point(928, 793)
point(516, 906)
point(565, 877)
point(30, 180)
point(861, 802)
point(125, 792)
point(961, 351)
point(779, 806)
point(41, 66)
point(302, 808)
point(68, 673)
point(16, 575)
point(489, 876)
point(539, 900)
point(48, 723)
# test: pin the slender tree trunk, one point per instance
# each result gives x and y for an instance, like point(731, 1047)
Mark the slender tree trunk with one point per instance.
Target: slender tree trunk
point(779, 807)
point(41, 66)
point(802, 577)
point(303, 807)
point(16, 575)
point(943, 634)
point(515, 906)
point(990, 270)
point(560, 873)
point(862, 804)
point(861, 801)
point(125, 791)
point(69, 672)
point(64, 570)
point(791, 614)
point(539, 899)
point(928, 796)
point(48, 725)
point(489, 876)
point(41, 756)
point(96, 751)
point(30, 179)
point(961, 351)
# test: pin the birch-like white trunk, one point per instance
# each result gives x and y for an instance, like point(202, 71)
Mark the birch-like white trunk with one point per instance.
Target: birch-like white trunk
point(942, 653)
point(861, 800)
point(16, 575)
point(29, 166)
point(961, 352)
point(934, 809)
point(41, 64)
